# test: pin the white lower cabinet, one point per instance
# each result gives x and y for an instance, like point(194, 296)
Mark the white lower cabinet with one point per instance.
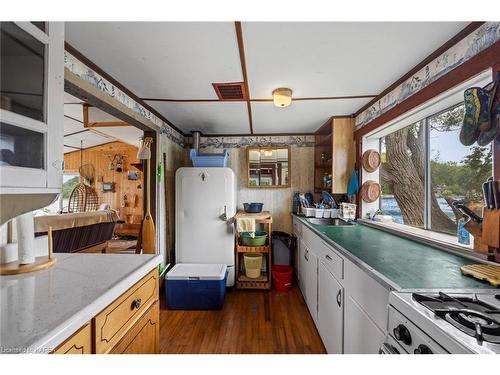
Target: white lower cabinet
point(311, 282)
point(362, 334)
point(330, 310)
point(348, 306)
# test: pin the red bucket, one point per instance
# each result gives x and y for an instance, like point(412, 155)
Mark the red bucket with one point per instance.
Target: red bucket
point(282, 277)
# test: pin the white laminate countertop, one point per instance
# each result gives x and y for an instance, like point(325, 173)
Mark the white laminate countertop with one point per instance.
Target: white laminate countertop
point(40, 310)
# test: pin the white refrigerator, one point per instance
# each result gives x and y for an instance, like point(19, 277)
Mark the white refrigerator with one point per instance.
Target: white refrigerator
point(205, 203)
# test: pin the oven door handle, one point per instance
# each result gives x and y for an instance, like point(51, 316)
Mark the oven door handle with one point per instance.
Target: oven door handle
point(387, 348)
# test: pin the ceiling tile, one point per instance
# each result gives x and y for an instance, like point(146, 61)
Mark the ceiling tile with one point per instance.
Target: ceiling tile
point(71, 126)
point(207, 117)
point(301, 116)
point(74, 111)
point(127, 134)
point(90, 139)
point(337, 58)
point(176, 60)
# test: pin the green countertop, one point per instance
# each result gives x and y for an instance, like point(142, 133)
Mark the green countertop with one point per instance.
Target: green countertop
point(407, 263)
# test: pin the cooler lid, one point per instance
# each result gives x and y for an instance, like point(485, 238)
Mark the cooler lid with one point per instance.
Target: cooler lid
point(187, 271)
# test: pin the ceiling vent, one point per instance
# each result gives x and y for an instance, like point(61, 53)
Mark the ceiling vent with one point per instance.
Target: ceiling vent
point(230, 91)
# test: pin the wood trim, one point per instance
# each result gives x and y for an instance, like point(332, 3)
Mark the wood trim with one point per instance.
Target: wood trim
point(241, 49)
point(106, 124)
point(85, 108)
point(257, 100)
point(73, 51)
point(447, 45)
point(271, 147)
point(480, 62)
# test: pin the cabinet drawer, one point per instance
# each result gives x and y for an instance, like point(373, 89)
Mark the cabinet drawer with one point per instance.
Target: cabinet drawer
point(144, 336)
point(297, 227)
point(369, 294)
point(332, 261)
point(79, 343)
point(112, 323)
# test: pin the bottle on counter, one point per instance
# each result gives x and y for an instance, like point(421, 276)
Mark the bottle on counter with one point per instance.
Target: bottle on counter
point(463, 236)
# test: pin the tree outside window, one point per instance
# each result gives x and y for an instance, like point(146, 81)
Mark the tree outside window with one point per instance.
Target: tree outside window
point(456, 172)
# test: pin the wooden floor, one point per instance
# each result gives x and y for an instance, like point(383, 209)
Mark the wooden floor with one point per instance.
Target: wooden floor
point(250, 322)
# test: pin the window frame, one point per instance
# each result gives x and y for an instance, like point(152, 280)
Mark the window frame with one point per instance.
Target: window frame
point(427, 167)
point(441, 103)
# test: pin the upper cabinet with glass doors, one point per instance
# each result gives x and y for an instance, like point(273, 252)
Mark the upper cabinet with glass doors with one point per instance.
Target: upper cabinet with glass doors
point(31, 102)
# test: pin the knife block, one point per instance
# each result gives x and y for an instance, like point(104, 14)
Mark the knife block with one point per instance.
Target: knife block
point(491, 232)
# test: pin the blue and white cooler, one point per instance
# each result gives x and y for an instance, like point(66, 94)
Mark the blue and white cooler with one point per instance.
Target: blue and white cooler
point(196, 286)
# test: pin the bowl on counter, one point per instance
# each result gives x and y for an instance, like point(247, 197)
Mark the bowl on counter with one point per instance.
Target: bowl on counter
point(253, 208)
point(259, 238)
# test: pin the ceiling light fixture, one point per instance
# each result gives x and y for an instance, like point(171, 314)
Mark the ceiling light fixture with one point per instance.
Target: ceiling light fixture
point(282, 97)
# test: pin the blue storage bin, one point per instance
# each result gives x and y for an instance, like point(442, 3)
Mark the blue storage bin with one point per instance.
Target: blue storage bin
point(209, 160)
point(196, 286)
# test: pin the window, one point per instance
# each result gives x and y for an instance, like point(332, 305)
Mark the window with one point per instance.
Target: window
point(425, 169)
point(403, 175)
point(23, 70)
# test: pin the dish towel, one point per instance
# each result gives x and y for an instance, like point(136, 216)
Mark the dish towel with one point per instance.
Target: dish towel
point(353, 186)
point(246, 224)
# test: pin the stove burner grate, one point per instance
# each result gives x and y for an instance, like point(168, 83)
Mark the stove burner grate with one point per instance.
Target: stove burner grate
point(469, 315)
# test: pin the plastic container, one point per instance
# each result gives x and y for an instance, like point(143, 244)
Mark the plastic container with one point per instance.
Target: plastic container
point(209, 160)
point(196, 286)
point(253, 264)
point(282, 277)
point(334, 213)
point(253, 208)
point(259, 238)
point(309, 211)
point(319, 212)
point(327, 213)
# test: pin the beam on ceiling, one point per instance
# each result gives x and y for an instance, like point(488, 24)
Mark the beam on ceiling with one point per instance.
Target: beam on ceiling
point(73, 51)
point(241, 49)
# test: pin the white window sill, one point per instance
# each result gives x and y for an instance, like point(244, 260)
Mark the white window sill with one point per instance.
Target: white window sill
point(443, 241)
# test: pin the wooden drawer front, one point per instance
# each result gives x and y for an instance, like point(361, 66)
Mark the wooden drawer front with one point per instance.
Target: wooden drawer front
point(112, 323)
point(144, 336)
point(79, 343)
point(332, 261)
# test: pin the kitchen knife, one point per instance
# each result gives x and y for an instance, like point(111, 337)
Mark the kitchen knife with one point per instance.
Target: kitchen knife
point(491, 199)
point(485, 193)
point(496, 193)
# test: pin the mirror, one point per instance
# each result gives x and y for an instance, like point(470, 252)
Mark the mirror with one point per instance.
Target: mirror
point(268, 167)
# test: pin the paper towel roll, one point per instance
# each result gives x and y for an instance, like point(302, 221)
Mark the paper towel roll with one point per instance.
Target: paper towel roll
point(25, 238)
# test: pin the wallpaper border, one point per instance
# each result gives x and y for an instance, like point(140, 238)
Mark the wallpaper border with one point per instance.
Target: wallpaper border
point(480, 39)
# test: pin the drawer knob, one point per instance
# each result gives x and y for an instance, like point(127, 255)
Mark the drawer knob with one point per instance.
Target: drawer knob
point(136, 303)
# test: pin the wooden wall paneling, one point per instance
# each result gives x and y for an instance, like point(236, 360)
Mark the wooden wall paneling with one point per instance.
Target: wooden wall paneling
point(99, 157)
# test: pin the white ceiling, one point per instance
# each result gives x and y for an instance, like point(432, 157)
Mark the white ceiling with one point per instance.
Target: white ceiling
point(337, 58)
point(73, 117)
point(207, 117)
point(302, 116)
point(176, 60)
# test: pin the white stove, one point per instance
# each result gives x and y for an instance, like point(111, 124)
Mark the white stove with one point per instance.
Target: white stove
point(437, 322)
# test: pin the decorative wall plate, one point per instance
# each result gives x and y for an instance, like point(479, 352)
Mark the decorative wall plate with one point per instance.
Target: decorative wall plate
point(370, 191)
point(371, 160)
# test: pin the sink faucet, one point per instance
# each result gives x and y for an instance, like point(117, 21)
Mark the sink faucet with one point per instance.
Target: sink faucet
point(378, 212)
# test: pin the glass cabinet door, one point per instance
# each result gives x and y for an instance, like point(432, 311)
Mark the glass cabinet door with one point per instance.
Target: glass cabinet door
point(31, 90)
